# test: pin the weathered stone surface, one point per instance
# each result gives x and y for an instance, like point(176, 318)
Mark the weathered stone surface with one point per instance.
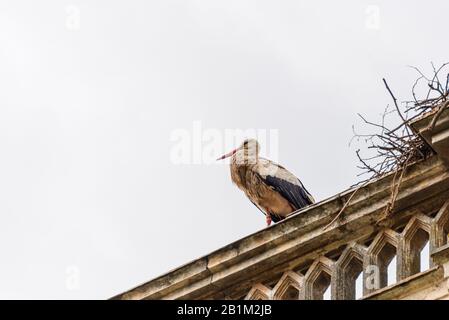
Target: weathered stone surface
point(347, 269)
point(318, 278)
point(432, 284)
point(412, 240)
point(438, 138)
point(259, 292)
point(419, 285)
point(288, 287)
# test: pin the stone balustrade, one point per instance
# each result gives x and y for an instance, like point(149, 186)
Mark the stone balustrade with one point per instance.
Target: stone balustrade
point(368, 257)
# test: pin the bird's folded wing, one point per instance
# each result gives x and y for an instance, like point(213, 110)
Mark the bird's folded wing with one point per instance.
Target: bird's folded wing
point(297, 195)
point(284, 182)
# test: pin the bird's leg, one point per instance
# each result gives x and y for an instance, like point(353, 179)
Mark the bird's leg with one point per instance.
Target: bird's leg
point(268, 217)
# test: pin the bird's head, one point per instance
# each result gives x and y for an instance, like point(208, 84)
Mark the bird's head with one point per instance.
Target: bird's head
point(247, 152)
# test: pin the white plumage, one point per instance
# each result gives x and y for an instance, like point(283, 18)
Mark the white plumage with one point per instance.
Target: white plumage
point(271, 187)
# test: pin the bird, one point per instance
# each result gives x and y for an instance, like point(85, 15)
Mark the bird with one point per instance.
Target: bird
point(270, 187)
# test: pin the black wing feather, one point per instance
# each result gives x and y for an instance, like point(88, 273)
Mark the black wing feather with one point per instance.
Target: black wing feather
point(297, 195)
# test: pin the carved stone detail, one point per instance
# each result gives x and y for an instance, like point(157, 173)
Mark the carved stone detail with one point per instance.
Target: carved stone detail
point(412, 240)
point(380, 253)
point(259, 292)
point(347, 268)
point(288, 287)
point(318, 278)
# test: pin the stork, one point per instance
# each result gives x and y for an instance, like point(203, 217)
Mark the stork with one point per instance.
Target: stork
point(269, 186)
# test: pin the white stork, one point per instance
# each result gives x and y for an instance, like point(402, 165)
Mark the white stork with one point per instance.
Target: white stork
point(269, 186)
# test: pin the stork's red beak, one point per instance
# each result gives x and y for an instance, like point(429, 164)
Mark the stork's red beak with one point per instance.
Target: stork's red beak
point(227, 155)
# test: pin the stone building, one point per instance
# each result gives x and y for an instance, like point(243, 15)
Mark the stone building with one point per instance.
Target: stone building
point(299, 258)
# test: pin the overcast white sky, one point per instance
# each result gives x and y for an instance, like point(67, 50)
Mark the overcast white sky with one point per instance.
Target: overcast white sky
point(91, 92)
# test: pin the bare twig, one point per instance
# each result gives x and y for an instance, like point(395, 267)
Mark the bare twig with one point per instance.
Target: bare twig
point(345, 205)
point(437, 116)
point(392, 150)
